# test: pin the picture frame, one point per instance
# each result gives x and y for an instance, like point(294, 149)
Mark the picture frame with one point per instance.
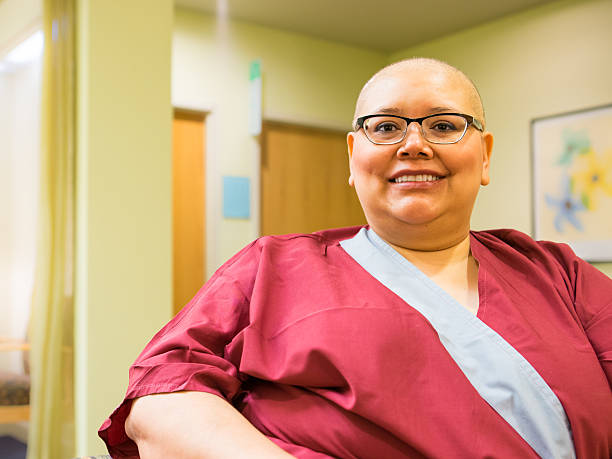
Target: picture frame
point(572, 180)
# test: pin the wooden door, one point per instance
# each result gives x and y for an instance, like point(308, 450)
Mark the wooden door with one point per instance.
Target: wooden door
point(304, 181)
point(188, 224)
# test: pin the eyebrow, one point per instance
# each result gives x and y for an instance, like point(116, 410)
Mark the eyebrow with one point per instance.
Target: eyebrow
point(443, 109)
point(397, 111)
point(390, 110)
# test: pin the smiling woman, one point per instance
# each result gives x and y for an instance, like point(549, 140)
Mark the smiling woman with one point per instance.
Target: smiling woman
point(420, 215)
point(409, 337)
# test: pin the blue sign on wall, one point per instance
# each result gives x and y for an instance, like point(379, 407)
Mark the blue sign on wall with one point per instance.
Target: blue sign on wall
point(236, 197)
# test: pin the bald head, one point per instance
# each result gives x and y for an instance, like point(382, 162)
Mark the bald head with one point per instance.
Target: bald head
point(420, 67)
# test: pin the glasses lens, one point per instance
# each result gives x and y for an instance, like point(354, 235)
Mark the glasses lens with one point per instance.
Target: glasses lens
point(384, 129)
point(444, 128)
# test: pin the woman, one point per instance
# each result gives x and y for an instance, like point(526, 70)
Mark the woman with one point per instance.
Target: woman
point(412, 337)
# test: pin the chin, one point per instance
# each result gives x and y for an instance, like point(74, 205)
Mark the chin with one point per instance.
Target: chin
point(415, 214)
point(422, 221)
point(394, 223)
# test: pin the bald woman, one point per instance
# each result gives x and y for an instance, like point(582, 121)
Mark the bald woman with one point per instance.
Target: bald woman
point(410, 337)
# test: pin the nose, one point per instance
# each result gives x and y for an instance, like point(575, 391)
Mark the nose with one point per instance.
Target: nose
point(414, 145)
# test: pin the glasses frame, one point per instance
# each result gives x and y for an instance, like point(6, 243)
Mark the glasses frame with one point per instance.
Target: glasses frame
point(469, 118)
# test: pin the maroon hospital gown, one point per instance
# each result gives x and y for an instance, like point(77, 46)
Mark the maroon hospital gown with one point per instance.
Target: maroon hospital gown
point(327, 362)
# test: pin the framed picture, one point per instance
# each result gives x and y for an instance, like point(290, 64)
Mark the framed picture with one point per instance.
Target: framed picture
point(572, 181)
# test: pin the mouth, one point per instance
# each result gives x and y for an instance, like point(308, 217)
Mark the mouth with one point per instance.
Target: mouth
point(416, 178)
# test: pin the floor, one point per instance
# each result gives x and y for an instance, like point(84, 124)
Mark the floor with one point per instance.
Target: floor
point(10, 448)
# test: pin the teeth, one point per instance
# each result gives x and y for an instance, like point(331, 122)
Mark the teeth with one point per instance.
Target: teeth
point(416, 178)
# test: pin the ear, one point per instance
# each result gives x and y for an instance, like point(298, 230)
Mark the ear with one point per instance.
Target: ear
point(487, 139)
point(350, 141)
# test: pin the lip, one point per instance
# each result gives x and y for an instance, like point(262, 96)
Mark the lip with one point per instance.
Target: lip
point(415, 172)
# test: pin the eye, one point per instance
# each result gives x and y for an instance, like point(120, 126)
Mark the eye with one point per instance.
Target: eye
point(385, 126)
point(443, 126)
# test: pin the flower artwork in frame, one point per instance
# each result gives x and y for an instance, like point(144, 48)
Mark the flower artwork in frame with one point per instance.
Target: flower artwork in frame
point(572, 181)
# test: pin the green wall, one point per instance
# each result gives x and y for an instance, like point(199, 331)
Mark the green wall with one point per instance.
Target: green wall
point(124, 240)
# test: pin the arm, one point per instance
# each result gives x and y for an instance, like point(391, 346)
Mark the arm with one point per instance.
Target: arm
point(195, 425)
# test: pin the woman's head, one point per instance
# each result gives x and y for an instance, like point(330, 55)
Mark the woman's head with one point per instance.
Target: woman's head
point(418, 193)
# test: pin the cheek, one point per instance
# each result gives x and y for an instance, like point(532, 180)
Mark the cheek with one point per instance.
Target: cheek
point(467, 163)
point(366, 173)
point(368, 165)
point(360, 167)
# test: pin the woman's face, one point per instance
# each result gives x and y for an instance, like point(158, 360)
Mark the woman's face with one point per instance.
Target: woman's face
point(451, 175)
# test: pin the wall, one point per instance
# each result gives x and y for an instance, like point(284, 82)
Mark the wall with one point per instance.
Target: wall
point(547, 60)
point(305, 80)
point(123, 240)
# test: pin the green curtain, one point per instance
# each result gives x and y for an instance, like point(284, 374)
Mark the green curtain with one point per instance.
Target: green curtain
point(51, 433)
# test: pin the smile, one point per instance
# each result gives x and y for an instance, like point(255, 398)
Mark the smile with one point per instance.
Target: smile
point(416, 178)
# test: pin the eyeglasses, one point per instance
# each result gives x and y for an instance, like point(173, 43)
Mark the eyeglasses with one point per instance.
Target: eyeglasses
point(441, 128)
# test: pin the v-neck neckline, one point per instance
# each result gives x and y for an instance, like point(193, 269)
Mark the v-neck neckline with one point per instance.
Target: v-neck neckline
point(381, 244)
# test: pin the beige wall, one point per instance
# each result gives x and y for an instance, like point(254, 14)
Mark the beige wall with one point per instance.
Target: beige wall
point(305, 80)
point(548, 60)
point(124, 242)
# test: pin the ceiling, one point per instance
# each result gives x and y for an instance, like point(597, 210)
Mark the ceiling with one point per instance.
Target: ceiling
point(387, 25)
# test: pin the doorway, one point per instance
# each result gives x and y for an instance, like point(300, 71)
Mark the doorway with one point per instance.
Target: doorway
point(188, 212)
point(304, 180)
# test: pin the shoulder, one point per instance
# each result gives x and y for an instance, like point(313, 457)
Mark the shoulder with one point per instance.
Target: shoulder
point(513, 253)
point(270, 262)
point(510, 244)
point(518, 258)
point(315, 243)
point(276, 248)
point(316, 239)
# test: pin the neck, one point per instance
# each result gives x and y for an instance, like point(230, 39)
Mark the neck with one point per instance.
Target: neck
point(429, 256)
point(449, 264)
point(432, 261)
point(436, 236)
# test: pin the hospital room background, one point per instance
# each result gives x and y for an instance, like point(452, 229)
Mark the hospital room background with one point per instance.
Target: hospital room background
point(151, 140)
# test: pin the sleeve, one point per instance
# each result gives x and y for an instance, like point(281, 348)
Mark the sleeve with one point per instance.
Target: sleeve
point(593, 291)
point(188, 354)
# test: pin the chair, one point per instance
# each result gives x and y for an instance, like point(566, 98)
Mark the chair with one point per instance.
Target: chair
point(14, 387)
